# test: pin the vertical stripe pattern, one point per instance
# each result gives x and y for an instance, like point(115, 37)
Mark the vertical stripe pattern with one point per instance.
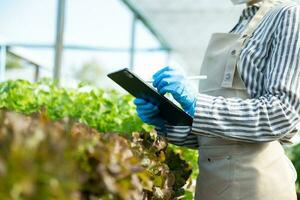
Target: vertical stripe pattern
point(270, 69)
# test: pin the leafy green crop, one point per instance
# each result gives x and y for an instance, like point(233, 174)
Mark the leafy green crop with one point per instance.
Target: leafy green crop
point(294, 154)
point(41, 159)
point(104, 110)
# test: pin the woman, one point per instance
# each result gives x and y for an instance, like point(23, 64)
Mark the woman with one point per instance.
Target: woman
point(248, 107)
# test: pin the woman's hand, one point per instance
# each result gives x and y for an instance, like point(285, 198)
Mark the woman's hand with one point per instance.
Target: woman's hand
point(149, 113)
point(170, 80)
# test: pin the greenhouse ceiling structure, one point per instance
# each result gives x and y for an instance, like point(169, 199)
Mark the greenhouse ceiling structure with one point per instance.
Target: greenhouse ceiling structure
point(185, 26)
point(182, 27)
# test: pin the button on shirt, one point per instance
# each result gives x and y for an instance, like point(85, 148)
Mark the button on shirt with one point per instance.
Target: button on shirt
point(270, 69)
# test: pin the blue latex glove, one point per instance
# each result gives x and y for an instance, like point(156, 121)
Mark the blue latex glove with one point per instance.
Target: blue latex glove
point(170, 80)
point(149, 113)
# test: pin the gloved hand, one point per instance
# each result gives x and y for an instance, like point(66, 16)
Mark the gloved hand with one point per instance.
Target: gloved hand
point(170, 80)
point(149, 113)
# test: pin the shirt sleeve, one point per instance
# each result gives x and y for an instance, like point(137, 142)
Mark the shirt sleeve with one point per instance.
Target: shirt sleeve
point(179, 135)
point(276, 112)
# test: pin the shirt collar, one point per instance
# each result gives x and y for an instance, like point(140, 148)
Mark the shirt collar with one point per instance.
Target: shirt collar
point(250, 11)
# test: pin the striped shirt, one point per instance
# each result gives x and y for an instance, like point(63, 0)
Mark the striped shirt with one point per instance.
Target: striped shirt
point(270, 69)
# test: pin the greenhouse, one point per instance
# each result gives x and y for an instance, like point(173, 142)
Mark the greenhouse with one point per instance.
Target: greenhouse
point(149, 100)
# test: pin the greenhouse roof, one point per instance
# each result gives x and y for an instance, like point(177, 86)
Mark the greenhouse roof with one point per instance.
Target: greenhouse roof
point(186, 25)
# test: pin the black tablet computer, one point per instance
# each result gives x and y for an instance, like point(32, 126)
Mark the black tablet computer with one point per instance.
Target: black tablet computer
point(140, 89)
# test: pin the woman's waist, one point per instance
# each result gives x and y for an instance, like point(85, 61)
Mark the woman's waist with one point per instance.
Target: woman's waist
point(213, 141)
point(219, 146)
point(206, 139)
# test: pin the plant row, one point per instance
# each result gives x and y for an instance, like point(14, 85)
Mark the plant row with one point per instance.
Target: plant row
point(41, 159)
point(106, 111)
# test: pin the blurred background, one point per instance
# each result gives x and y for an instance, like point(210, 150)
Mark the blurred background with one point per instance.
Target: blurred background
point(83, 40)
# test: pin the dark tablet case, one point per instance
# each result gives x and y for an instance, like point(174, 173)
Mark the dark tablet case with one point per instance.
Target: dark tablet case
point(140, 89)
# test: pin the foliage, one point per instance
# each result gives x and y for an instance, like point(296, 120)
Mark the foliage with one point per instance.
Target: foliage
point(293, 153)
point(190, 155)
point(41, 159)
point(13, 62)
point(103, 110)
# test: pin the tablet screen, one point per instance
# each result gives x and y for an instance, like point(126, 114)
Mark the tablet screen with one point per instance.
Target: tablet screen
point(140, 89)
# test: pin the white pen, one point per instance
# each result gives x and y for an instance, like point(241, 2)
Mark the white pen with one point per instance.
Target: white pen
point(202, 77)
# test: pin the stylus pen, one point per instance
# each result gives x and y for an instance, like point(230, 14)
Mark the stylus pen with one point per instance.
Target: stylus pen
point(202, 77)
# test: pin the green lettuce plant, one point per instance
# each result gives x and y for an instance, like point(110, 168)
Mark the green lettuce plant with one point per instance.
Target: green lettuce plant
point(107, 111)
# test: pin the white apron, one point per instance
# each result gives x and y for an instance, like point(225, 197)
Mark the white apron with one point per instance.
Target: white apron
point(232, 170)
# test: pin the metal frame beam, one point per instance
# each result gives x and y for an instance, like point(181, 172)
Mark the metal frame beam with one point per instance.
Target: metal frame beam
point(138, 14)
point(36, 66)
point(82, 47)
point(2, 61)
point(59, 44)
point(132, 42)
